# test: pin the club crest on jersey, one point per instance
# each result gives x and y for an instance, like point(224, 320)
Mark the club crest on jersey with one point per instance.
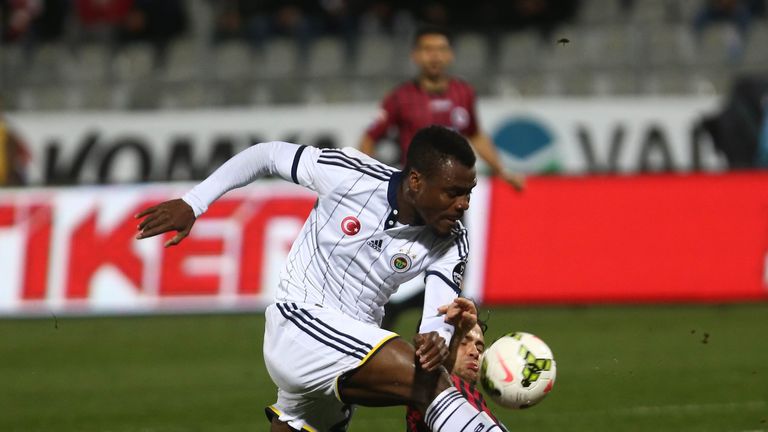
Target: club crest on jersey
point(350, 225)
point(400, 262)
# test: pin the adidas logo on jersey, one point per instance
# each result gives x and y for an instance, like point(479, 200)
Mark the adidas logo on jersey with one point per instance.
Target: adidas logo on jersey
point(376, 244)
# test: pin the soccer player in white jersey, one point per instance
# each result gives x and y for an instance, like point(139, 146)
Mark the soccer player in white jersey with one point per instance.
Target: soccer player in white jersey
point(372, 228)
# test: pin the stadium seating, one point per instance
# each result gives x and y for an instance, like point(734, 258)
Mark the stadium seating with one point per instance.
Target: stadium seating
point(648, 49)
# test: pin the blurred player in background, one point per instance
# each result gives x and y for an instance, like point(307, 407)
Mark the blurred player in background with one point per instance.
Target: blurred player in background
point(371, 229)
point(433, 97)
point(13, 155)
point(467, 347)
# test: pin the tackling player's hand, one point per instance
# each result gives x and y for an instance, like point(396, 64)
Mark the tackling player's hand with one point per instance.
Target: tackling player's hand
point(431, 350)
point(173, 215)
point(462, 314)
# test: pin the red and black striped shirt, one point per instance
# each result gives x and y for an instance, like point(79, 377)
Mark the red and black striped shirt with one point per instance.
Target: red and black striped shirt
point(409, 108)
point(415, 420)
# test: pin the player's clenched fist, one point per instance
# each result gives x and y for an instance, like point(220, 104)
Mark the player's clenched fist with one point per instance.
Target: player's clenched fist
point(173, 215)
point(462, 314)
point(431, 350)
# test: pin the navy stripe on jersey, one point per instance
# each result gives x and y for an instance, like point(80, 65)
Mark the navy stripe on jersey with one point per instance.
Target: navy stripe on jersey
point(346, 165)
point(447, 281)
point(341, 160)
point(317, 233)
point(341, 338)
point(339, 154)
point(302, 324)
point(441, 406)
point(470, 421)
point(328, 262)
point(295, 166)
point(462, 243)
point(451, 415)
point(350, 337)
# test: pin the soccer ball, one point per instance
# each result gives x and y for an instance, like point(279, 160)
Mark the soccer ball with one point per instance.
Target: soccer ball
point(518, 370)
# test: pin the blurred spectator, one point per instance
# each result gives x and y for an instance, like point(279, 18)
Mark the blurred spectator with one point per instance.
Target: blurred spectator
point(33, 20)
point(13, 155)
point(16, 18)
point(736, 130)
point(155, 21)
point(98, 20)
point(543, 16)
point(387, 17)
point(736, 13)
point(259, 20)
point(342, 18)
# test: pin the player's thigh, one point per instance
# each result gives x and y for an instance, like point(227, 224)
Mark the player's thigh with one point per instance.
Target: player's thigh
point(391, 377)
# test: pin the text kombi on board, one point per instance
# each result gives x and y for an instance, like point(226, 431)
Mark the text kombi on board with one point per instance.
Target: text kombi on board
point(567, 136)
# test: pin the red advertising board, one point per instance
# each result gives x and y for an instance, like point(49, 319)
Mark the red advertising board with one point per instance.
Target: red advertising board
point(74, 250)
point(655, 238)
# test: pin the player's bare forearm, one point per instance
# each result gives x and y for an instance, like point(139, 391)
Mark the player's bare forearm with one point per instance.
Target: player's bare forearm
point(485, 148)
point(431, 350)
point(174, 215)
point(367, 145)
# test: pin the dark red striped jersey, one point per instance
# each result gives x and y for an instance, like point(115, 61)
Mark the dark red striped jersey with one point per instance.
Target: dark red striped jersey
point(409, 108)
point(415, 420)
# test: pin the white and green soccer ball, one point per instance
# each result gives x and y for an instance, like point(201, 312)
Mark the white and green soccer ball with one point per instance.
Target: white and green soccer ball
point(518, 370)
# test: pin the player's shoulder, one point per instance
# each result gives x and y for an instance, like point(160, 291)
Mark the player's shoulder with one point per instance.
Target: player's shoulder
point(353, 159)
point(461, 85)
point(407, 86)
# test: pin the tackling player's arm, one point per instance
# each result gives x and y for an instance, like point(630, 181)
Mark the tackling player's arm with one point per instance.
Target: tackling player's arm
point(462, 314)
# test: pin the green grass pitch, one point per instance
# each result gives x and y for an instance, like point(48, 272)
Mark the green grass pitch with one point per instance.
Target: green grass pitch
point(639, 368)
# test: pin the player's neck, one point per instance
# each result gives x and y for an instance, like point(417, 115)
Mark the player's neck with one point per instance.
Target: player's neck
point(434, 84)
point(406, 211)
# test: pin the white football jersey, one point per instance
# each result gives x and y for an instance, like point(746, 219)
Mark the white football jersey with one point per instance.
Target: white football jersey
point(351, 254)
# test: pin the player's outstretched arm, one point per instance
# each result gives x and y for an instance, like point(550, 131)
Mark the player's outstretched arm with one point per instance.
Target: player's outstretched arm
point(173, 215)
point(485, 148)
point(367, 145)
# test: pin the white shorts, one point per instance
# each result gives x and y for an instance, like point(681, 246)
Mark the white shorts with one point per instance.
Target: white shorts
point(306, 349)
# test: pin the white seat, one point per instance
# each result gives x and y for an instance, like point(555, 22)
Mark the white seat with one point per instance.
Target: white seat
point(519, 51)
point(280, 58)
point(326, 58)
point(471, 51)
point(133, 62)
point(375, 55)
point(183, 61)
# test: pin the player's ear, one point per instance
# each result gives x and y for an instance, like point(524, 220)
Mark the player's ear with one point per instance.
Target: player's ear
point(415, 180)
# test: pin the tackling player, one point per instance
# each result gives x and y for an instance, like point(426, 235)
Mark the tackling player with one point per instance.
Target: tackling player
point(371, 229)
point(466, 352)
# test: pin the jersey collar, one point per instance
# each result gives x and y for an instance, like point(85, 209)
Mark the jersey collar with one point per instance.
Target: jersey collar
point(394, 183)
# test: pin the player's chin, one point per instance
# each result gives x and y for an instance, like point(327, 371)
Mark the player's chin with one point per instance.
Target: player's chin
point(443, 227)
point(470, 376)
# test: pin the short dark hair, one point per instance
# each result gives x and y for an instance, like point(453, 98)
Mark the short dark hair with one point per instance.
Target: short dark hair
point(430, 29)
point(435, 144)
point(483, 325)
